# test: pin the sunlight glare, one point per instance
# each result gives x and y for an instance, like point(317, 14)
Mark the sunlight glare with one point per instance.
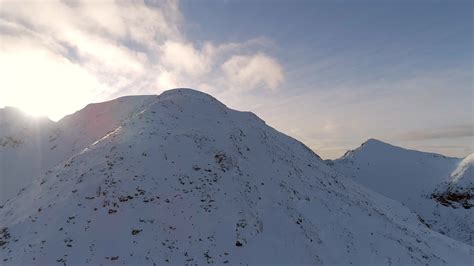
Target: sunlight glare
point(44, 84)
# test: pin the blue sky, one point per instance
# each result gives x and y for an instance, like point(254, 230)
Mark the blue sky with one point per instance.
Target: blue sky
point(372, 52)
point(329, 73)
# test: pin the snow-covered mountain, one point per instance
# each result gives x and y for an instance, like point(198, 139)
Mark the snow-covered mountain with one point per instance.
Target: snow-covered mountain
point(22, 142)
point(185, 180)
point(30, 146)
point(424, 182)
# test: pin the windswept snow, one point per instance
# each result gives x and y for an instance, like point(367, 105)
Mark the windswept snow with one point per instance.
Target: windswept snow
point(185, 180)
point(463, 175)
point(458, 191)
point(417, 179)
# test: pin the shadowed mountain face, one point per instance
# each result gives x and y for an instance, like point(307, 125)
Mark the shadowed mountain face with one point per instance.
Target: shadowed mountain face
point(458, 190)
point(182, 179)
point(436, 187)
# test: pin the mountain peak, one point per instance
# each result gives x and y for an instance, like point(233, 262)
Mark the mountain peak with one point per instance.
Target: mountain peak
point(11, 109)
point(13, 118)
point(184, 91)
point(375, 146)
point(373, 141)
point(371, 146)
point(10, 113)
point(185, 94)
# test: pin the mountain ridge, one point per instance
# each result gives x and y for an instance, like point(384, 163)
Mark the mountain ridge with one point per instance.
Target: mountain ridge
point(188, 181)
point(376, 143)
point(420, 180)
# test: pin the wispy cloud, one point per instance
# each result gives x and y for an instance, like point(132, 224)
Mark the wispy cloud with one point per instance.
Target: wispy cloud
point(94, 50)
point(455, 131)
point(248, 72)
point(401, 81)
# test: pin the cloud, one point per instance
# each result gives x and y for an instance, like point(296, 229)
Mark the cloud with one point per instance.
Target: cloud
point(97, 50)
point(247, 72)
point(456, 131)
point(183, 58)
point(41, 81)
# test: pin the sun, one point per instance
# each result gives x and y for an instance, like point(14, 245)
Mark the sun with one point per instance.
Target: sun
point(43, 105)
point(42, 83)
point(53, 107)
point(35, 110)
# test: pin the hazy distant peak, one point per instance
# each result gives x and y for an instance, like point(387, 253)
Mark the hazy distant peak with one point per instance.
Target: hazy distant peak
point(373, 141)
point(371, 146)
point(375, 147)
point(13, 117)
point(11, 112)
point(10, 109)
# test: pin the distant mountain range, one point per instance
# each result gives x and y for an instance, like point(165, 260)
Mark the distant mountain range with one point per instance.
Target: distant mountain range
point(180, 178)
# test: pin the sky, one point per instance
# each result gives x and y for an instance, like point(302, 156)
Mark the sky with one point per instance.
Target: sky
point(331, 74)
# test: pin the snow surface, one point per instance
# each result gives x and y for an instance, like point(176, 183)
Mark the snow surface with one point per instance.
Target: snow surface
point(22, 140)
point(30, 146)
point(411, 177)
point(185, 180)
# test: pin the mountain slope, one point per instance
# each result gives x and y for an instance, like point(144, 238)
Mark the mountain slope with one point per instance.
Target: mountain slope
point(22, 140)
point(410, 177)
point(458, 191)
point(29, 147)
point(185, 180)
point(463, 176)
